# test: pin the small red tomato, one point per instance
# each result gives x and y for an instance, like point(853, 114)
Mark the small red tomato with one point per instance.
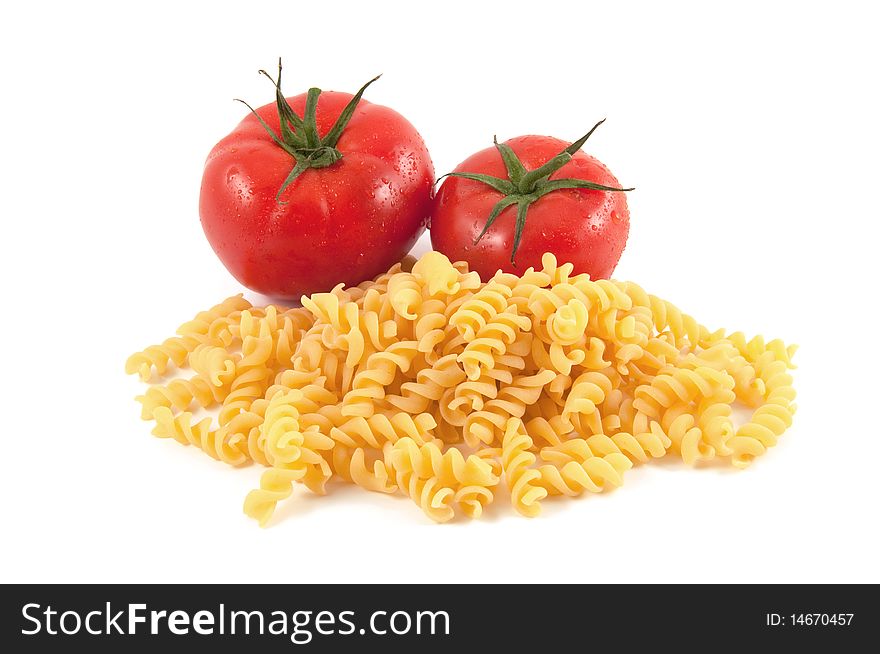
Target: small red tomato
point(314, 190)
point(505, 206)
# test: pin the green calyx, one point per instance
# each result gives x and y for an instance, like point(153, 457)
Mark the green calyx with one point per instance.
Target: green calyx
point(299, 135)
point(524, 187)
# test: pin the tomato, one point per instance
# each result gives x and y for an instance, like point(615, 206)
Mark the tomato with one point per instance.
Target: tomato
point(294, 211)
point(571, 205)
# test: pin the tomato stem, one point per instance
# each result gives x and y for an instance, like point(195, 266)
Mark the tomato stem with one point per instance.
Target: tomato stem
point(299, 136)
point(310, 125)
point(524, 187)
point(515, 168)
point(530, 181)
point(577, 145)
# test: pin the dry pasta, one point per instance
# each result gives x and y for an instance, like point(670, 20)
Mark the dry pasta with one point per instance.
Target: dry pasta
point(429, 383)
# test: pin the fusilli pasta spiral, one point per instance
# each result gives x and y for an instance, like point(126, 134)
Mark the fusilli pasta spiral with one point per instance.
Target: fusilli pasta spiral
point(430, 383)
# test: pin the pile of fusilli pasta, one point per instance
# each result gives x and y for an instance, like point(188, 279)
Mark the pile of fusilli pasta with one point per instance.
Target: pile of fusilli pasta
point(428, 382)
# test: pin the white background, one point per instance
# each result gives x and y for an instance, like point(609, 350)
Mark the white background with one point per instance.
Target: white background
point(750, 134)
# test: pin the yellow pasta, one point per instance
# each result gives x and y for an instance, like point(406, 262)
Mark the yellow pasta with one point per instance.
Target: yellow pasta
point(519, 472)
point(213, 362)
point(430, 383)
point(190, 335)
point(350, 464)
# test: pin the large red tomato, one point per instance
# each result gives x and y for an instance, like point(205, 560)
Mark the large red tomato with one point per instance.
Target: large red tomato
point(338, 191)
point(505, 206)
